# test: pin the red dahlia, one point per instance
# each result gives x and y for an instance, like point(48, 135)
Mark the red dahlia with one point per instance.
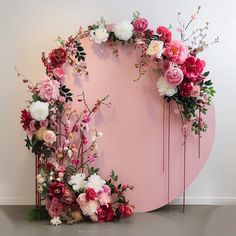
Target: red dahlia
point(57, 57)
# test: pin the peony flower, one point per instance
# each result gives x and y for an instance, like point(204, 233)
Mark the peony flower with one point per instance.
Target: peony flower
point(90, 194)
point(104, 198)
point(193, 68)
point(140, 25)
point(48, 89)
point(57, 57)
point(123, 30)
point(55, 221)
point(164, 34)
point(39, 110)
point(95, 182)
point(185, 89)
point(56, 189)
point(195, 91)
point(106, 189)
point(49, 137)
point(155, 48)
point(105, 213)
point(165, 89)
point(77, 181)
point(25, 119)
point(176, 51)
point(59, 74)
point(56, 208)
point(174, 76)
point(126, 210)
point(99, 34)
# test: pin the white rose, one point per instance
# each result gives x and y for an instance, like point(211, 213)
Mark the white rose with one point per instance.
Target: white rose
point(39, 110)
point(155, 48)
point(165, 89)
point(123, 30)
point(99, 35)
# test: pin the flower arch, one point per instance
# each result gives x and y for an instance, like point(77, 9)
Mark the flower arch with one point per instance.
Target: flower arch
point(64, 140)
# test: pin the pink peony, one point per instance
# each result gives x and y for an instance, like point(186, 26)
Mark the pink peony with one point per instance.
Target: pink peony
point(174, 76)
point(164, 34)
point(56, 208)
point(48, 89)
point(176, 51)
point(193, 68)
point(195, 91)
point(104, 198)
point(49, 137)
point(140, 25)
point(59, 74)
point(186, 89)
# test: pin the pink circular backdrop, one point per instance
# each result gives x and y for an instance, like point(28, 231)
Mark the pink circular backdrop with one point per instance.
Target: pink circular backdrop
point(132, 142)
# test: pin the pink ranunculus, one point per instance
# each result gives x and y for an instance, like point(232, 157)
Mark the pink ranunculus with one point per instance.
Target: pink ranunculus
point(59, 74)
point(126, 210)
point(48, 89)
point(56, 208)
point(44, 123)
point(195, 91)
point(193, 68)
point(140, 25)
point(174, 76)
point(106, 189)
point(49, 137)
point(164, 34)
point(186, 89)
point(176, 51)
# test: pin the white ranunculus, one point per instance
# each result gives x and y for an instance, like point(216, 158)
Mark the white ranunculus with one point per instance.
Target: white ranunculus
point(77, 181)
point(55, 221)
point(95, 182)
point(123, 30)
point(39, 110)
point(165, 89)
point(99, 35)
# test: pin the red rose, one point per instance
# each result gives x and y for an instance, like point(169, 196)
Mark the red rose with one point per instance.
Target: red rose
point(57, 57)
point(126, 210)
point(164, 34)
point(105, 214)
point(185, 89)
point(25, 119)
point(193, 68)
point(90, 194)
point(56, 189)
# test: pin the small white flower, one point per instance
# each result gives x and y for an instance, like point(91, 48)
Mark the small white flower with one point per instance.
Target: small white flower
point(94, 138)
point(165, 89)
point(100, 134)
point(40, 188)
point(51, 173)
point(77, 181)
point(66, 148)
point(95, 182)
point(69, 153)
point(39, 110)
point(123, 30)
point(50, 178)
point(55, 221)
point(99, 35)
point(155, 48)
point(59, 179)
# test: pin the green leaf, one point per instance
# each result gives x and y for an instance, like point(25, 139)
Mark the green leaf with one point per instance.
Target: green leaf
point(205, 74)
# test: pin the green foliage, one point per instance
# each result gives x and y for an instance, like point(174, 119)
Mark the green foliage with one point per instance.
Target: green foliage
point(113, 176)
point(36, 214)
point(80, 53)
point(93, 170)
point(65, 92)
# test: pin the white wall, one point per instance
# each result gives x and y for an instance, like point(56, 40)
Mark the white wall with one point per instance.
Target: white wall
point(28, 27)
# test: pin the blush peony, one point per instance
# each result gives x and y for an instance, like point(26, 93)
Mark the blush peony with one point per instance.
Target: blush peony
point(140, 25)
point(123, 30)
point(49, 137)
point(176, 51)
point(39, 110)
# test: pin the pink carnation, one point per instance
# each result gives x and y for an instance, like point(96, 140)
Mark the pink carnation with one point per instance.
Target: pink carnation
point(193, 68)
point(164, 33)
point(176, 51)
point(48, 89)
point(140, 25)
point(49, 137)
point(174, 76)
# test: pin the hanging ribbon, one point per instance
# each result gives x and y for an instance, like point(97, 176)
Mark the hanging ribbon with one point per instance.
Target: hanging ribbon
point(199, 136)
point(163, 136)
point(184, 177)
point(168, 153)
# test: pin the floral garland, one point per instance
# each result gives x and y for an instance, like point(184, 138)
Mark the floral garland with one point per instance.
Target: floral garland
point(65, 141)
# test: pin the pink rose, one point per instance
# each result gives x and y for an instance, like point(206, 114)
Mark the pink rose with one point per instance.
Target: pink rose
point(186, 89)
point(140, 25)
point(56, 208)
point(164, 34)
point(195, 91)
point(176, 51)
point(174, 76)
point(48, 89)
point(59, 74)
point(49, 137)
point(193, 68)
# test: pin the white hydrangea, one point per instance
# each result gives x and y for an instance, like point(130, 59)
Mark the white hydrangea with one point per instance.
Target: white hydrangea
point(89, 208)
point(77, 181)
point(165, 89)
point(95, 182)
point(39, 110)
point(99, 35)
point(55, 221)
point(123, 30)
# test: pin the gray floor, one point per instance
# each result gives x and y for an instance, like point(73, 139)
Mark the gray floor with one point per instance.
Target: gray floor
point(196, 221)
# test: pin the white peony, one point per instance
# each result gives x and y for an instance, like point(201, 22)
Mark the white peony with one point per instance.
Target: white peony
point(39, 110)
point(89, 208)
point(55, 221)
point(77, 181)
point(155, 48)
point(123, 30)
point(95, 182)
point(165, 89)
point(99, 35)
